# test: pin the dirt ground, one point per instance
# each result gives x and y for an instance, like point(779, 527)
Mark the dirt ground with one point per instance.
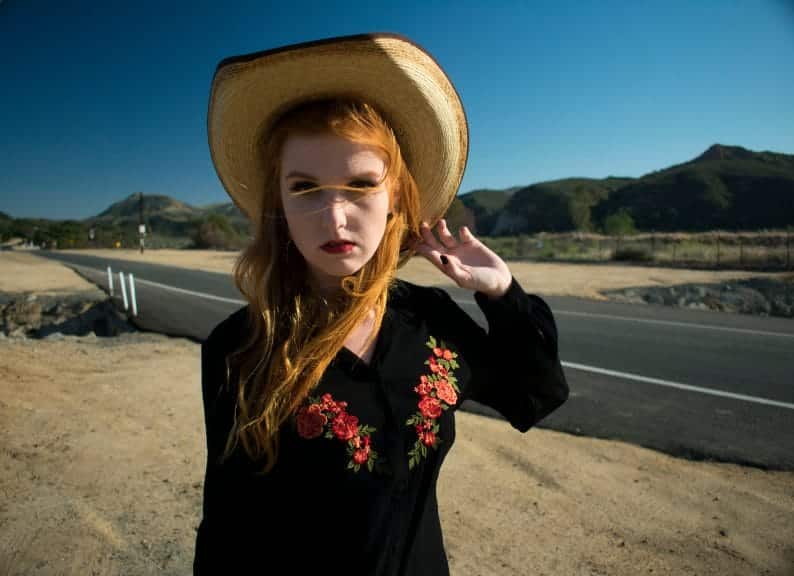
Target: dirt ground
point(103, 455)
point(23, 271)
point(584, 280)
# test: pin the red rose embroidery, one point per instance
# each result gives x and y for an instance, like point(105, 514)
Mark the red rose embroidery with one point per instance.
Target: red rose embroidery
point(427, 438)
point(446, 393)
point(326, 414)
point(361, 455)
point(437, 392)
point(311, 421)
point(345, 426)
point(430, 407)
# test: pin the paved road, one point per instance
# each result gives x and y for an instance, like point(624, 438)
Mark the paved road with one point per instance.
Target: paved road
point(698, 384)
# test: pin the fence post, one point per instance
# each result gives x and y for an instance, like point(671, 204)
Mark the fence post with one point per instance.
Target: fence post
point(741, 251)
point(132, 295)
point(718, 249)
point(788, 234)
point(123, 290)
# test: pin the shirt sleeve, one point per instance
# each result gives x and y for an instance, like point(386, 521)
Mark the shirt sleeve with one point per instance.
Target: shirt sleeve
point(515, 365)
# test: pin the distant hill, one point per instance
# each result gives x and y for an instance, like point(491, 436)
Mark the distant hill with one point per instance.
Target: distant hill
point(726, 187)
point(555, 206)
point(165, 216)
point(485, 206)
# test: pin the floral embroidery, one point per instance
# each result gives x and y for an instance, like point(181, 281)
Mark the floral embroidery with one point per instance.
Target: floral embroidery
point(326, 415)
point(437, 391)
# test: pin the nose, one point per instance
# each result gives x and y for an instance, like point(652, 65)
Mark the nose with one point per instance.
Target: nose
point(335, 212)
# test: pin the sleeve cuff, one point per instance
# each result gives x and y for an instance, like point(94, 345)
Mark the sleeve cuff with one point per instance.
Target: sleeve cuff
point(503, 309)
point(514, 295)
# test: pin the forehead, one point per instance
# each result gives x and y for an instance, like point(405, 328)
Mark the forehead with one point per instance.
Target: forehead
point(329, 155)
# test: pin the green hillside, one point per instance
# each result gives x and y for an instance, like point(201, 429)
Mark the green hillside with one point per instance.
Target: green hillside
point(726, 187)
point(484, 206)
point(557, 205)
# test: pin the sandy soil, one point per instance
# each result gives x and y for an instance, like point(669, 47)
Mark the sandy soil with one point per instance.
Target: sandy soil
point(23, 271)
point(584, 280)
point(102, 461)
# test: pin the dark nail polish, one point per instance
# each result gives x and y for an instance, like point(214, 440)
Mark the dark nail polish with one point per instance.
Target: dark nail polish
point(444, 260)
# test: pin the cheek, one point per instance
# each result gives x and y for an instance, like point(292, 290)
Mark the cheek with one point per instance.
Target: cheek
point(297, 225)
point(373, 218)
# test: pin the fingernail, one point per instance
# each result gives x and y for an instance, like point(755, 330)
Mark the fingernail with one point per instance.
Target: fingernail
point(444, 260)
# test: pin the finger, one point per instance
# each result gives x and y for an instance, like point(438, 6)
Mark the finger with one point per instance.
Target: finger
point(466, 236)
point(429, 238)
point(434, 256)
point(446, 236)
point(452, 267)
point(423, 249)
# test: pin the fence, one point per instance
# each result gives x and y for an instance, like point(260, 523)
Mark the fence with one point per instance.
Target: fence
point(768, 250)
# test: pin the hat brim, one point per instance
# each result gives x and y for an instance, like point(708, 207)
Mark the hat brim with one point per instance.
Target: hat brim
point(398, 77)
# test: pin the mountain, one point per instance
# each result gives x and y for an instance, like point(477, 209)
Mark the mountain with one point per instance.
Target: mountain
point(165, 216)
point(485, 206)
point(726, 187)
point(556, 205)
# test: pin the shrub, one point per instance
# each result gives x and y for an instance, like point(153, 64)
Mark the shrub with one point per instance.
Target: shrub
point(632, 254)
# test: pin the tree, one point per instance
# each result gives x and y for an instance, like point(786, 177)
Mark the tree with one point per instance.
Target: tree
point(619, 223)
point(215, 231)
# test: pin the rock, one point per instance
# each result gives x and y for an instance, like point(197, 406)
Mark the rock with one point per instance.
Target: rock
point(64, 314)
point(761, 296)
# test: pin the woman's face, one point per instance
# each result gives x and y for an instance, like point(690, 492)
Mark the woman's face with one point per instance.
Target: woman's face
point(330, 214)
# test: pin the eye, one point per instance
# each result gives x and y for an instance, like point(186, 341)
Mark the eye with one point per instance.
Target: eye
point(362, 184)
point(302, 185)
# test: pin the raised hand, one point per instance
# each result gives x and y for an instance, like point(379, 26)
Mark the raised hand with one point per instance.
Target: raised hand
point(469, 262)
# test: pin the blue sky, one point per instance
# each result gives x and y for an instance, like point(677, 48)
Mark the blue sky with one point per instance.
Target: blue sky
point(103, 99)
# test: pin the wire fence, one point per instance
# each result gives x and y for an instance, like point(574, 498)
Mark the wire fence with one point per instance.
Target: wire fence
point(764, 250)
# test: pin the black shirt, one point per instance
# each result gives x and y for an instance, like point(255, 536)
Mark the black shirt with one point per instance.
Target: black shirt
point(333, 503)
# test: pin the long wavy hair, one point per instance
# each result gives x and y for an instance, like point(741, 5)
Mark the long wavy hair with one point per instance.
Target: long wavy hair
point(297, 333)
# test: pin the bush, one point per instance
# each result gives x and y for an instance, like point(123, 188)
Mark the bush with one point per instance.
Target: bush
point(632, 254)
point(619, 223)
point(216, 232)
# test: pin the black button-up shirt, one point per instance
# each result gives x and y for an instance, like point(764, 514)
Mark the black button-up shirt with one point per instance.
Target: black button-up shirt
point(319, 509)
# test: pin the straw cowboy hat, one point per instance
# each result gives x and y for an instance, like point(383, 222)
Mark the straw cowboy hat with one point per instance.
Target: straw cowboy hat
point(250, 92)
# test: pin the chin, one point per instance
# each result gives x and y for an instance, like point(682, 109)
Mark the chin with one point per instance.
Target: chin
point(340, 269)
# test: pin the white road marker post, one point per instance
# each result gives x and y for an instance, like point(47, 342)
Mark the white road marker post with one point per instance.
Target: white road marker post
point(110, 281)
point(132, 296)
point(123, 289)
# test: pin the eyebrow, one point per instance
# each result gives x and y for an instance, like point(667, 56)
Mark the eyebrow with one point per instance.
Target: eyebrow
point(296, 174)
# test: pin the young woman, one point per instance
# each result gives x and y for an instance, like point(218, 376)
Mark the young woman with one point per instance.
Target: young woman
point(330, 399)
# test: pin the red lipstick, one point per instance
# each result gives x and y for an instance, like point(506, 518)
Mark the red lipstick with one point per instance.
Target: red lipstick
point(338, 247)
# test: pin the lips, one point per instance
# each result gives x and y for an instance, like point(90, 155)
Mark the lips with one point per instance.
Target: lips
point(338, 247)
